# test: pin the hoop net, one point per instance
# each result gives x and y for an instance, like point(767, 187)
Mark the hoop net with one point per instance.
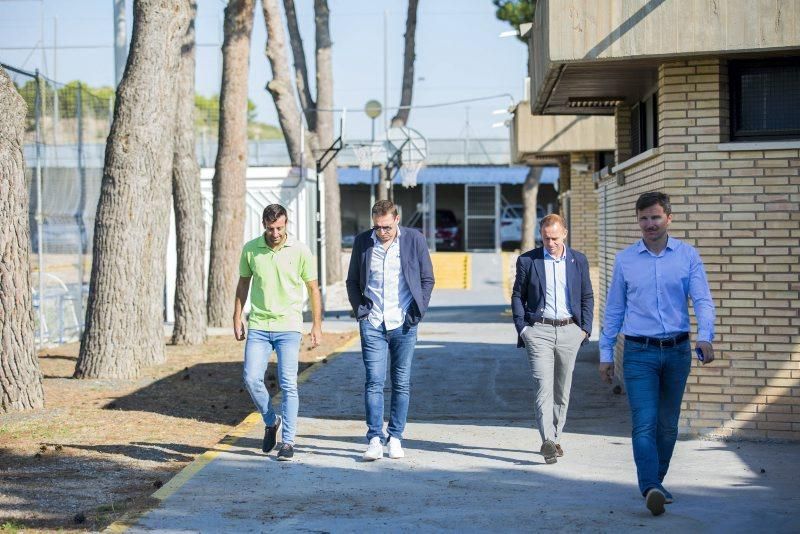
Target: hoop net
point(366, 155)
point(409, 173)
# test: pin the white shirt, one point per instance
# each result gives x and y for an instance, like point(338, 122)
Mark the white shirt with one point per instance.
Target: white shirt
point(556, 305)
point(386, 286)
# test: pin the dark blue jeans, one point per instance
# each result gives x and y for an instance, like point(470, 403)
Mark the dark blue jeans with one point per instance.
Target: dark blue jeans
point(379, 346)
point(655, 379)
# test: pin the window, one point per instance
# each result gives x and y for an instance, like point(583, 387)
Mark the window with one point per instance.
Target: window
point(644, 125)
point(765, 99)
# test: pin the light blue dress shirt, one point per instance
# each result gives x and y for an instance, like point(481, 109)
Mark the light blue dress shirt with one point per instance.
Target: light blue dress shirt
point(386, 286)
point(556, 303)
point(649, 295)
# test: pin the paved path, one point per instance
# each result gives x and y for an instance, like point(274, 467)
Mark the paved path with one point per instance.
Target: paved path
point(472, 457)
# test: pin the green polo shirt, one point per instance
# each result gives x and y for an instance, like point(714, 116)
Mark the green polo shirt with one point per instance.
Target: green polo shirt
point(278, 277)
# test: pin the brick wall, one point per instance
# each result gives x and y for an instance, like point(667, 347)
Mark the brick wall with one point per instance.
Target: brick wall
point(740, 209)
point(583, 214)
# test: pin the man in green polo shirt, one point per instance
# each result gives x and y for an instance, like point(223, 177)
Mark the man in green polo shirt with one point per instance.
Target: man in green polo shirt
point(278, 267)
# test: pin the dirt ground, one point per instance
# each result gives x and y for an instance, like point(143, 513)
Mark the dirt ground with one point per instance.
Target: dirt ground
point(100, 448)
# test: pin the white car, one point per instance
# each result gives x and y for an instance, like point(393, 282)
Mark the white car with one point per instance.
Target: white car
point(511, 226)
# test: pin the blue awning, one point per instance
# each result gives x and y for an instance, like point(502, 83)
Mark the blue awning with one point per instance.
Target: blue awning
point(455, 175)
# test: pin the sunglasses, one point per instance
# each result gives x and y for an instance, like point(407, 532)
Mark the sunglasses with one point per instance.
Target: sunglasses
point(382, 228)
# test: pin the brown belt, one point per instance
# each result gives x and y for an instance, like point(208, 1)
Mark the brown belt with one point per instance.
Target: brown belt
point(557, 322)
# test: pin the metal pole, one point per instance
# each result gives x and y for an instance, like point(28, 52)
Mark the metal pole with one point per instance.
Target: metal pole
point(39, 240)
point(385, 63)
point(84, 245)
point(120, 40)
point(320, 264)
point(372, 169)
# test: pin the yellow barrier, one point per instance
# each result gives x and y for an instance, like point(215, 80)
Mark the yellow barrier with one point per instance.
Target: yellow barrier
point(452, 270)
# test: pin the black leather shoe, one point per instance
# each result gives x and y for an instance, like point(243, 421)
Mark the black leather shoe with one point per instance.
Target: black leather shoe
point(549, 451)
point(271, 436)
point(286, 453)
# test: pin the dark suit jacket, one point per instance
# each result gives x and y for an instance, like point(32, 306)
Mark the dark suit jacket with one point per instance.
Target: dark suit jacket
point(416, 266)
point(528, 295)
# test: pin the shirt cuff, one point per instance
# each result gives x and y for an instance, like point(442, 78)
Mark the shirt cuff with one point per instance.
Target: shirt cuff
point(607, 356)
point(705, 335)
point(523, 330)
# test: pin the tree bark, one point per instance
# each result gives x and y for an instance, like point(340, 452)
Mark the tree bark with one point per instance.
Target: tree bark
point(530, 196)
point(227, 230)
point(190, 306)
point(20, 376)
point(333, 220)
point(401, 118)
point(300, 69)
point(280, 87)
point(124, 317)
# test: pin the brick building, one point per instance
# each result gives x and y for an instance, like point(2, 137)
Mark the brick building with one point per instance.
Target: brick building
point(706, 101)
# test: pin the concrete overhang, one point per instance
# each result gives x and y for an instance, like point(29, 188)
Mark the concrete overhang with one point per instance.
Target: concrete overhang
point(544, 138)
point(587, 56)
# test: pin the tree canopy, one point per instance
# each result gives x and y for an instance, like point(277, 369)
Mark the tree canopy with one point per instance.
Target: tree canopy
point(515, 12)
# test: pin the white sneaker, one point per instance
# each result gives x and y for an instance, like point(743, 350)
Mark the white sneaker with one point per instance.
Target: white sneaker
point(396, 449)
point(374, 451)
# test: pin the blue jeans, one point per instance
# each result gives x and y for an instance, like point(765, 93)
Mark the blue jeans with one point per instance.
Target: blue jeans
point(655, 379)
point(257, 352)
point(377, 346)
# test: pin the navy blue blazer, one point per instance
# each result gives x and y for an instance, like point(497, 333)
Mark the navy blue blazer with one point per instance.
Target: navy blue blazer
point(417, 268)
point(528, 295)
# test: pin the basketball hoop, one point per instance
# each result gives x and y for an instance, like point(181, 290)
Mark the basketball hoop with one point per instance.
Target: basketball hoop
point(366, 156)
point(409, 173)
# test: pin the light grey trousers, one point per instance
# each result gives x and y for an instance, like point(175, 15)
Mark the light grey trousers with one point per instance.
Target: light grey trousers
point(552, 351)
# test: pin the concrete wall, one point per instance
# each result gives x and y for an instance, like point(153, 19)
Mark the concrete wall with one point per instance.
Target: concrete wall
point(740, 208)
point(557, 134)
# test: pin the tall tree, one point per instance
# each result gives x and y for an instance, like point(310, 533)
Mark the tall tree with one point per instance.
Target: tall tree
point(124, 317)
point(319, 114)
point(517, 12)
point(20, 376)
point(227, 229)
point(409, 55)
point(190, 306)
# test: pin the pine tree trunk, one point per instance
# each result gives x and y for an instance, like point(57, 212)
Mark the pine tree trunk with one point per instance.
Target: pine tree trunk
point(530, 195)
point(280, 86)
point(401, 118)
point(124, 317)
point(190, 306)
point(20, 377)
point(227, 229)
point(333, 220)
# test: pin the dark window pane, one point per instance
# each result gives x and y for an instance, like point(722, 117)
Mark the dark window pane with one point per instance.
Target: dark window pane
point(766, 99)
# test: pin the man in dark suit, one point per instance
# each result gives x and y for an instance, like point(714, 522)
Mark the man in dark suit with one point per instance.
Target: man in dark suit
point(552, 303)
point(389, 285)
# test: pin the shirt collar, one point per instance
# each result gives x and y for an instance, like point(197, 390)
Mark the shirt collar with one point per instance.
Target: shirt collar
point(563, 255)
point(262, 243)
point(672, 244)
point(378, 241)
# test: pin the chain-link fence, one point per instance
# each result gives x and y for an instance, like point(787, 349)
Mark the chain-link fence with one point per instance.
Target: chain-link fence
point(65, 133)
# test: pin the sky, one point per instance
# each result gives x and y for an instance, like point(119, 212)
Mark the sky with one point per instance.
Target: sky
point(460, 56)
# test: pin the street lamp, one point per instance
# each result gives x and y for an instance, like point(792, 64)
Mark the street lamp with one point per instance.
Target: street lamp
point(373, 110)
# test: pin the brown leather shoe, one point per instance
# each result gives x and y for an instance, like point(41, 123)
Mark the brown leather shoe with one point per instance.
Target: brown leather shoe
point(559, 450)
point(549, 452)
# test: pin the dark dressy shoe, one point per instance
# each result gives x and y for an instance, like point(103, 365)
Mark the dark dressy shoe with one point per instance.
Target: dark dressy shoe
point(286, 453)
point(549, 451)
point(271, 436)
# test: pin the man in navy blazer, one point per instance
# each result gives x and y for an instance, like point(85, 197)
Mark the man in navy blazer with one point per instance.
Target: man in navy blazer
point(389, 285)
point(552, 303)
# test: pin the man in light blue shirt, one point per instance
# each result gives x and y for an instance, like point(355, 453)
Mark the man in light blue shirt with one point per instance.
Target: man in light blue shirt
point(389, 285)
point(552, 303)
point(648, 303)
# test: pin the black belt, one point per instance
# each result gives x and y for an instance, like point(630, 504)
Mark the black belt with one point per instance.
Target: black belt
point(557, 322)
point(666, 342)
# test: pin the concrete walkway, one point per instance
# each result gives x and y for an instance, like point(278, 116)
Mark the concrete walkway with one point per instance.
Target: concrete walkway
point(472, 459)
